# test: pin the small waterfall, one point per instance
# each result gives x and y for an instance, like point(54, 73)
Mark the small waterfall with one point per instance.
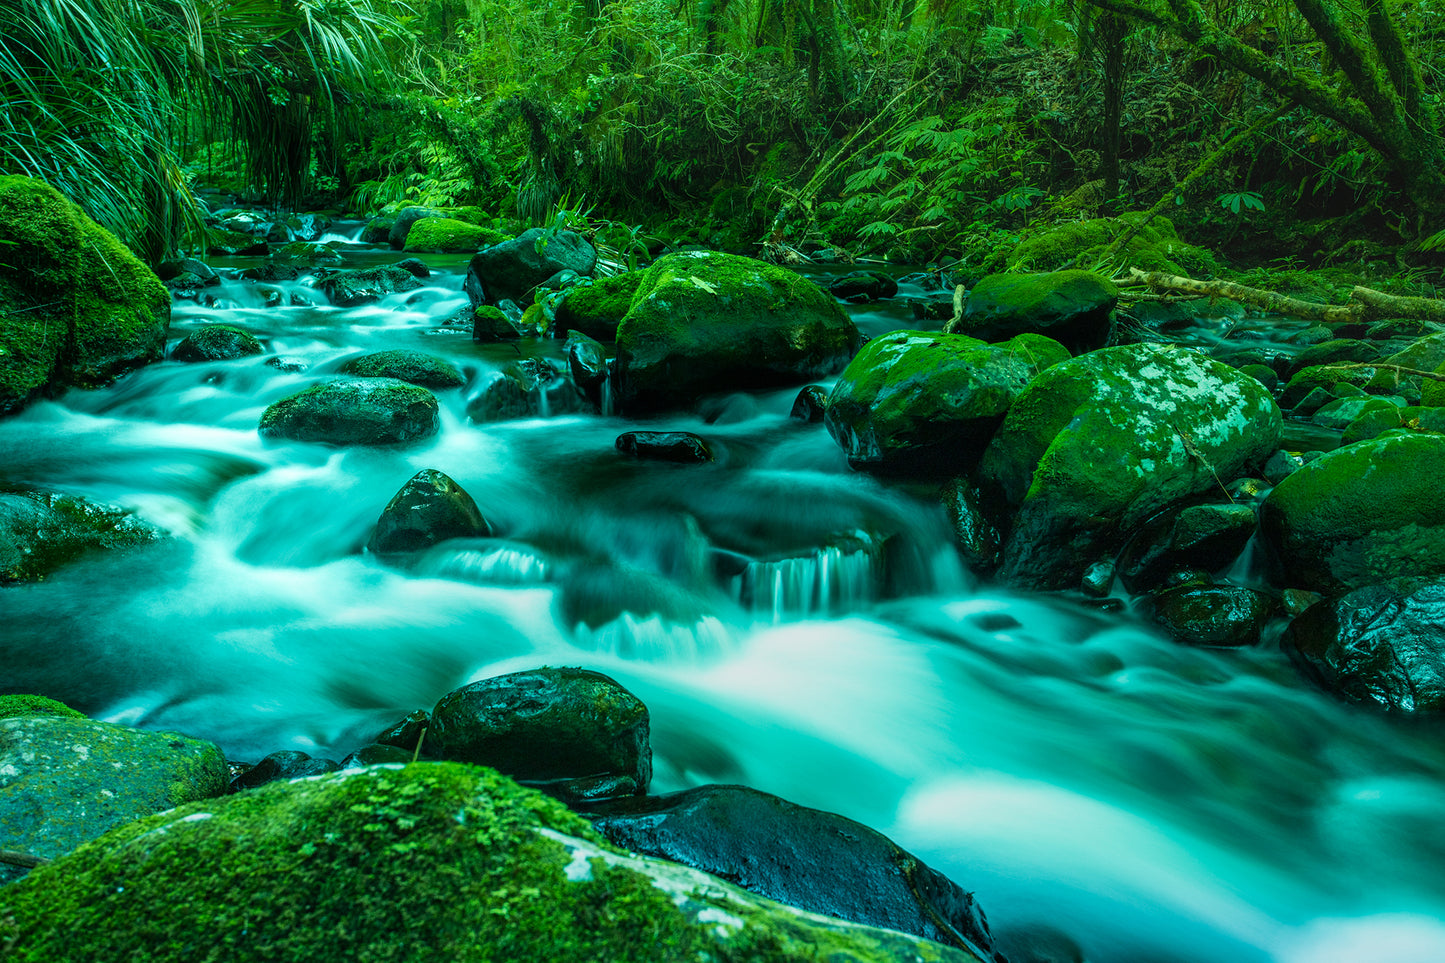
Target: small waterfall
point(833, 580)
point(496, 563)
point(656, 638)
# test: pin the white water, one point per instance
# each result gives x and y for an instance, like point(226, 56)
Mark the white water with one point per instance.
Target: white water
point(1154, 802)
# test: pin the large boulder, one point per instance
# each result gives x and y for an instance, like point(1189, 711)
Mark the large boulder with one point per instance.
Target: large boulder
point(77, 308)
point(413, 367)
point(347, 289)
point(448, 235)
point(918, 400)
point(362, 411)
point(596, 309)
point(703, 322)
point(428, 509)
point(64, 780)
point(428, 861)
point(576, 732)
point(1381, 645)
point(217, 342)
point(404, 221)
point(1097, 444)
point(1362, 514)
point(511, 270)
point(1072, 307)
point(804, 857)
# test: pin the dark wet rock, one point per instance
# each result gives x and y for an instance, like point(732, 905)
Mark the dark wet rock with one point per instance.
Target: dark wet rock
point(270, 273)
point(1098, 579)
point(576, 733)
point(529, 388)
point(1075, 308)
point(587, 363)
point(1362, 514)
point(402, 223)
point(287, 362)
point(1295, 601)
point(285, 764)
point(175, 268)
point(1281, 465)
point(916, 401)
point(1381, 645)
point(228, 243)
point(979, 539)
point(819, 861)
point(378, 229)
point(702, 322)
point(561, 281)
point(491, 324)
point(937, 308)
point(363, 411)
point(65, 781)
point(406, 733)
point(217, 342)
point(376, 755)
point(413, 367)
point(1040, 943)
point(428, 509)
point(513, 269)
point(677, 446)
point(41, 532)
point(811, 404)
point(1222, 615)
point(347, 289)
point(596, 309)
point(1097, 444)
point(415, 267)
point(863, 286)
point(1208, 537)
point(77, 308)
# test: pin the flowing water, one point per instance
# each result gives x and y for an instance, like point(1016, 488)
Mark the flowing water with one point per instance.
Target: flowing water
point(792, 625)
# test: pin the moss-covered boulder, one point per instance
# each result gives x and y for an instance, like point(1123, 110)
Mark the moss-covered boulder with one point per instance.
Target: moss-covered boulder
point(363, 411)
point(76, 307)
point(510, 271)
point(1155, 248)
point(490, 325)
point(217, 342)
point(428, 509)
point(64, 780)
point(1381, 645)
point(1323, 383)
point(35, 705)
point(1377, 419)
point(926, 401)
point(413, 367)
point(703, 322)
point(578, 733)
point(42, 531)
point(306, 252)
point(597, 309)
point(1097, 444)
point(448, 235)
point(1074, 308)
point(432, 861)
point(1362, 514)
point(347, 289)
point(222, 241)
point(405, 221)
point(1426, 354)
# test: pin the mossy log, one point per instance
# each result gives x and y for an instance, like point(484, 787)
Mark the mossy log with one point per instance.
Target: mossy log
point(1365, 304)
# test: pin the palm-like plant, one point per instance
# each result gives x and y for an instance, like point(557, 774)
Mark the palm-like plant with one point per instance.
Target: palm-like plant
point(96, 96)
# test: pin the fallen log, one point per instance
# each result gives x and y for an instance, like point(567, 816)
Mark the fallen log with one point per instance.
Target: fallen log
point(1365, 304)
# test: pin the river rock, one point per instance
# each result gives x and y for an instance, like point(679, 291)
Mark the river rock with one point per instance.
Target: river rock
point(1208, 537)
point(863, 286)
point(285, 764)
point(413, 367)
point(224, 242)
point(1381, 645)
point(427, 861)
point(1215, 615)
point(40, 532)
point(448, 235)
point(217, 342)
point(12, 706)
point(919, 401)
point(404, 221)
point(1362, 514)
point(703, 322)
point(979, 540)
point(347, 289)
point(64, 781)
point(1074, 308)
point(428, 509)
point(575, 732)
point(1097, 444)
point(587, 363)
point(1334, 351)
point(511, 270)
point(529, 388)
point(804, 857)
point(597, 308)
point(362, 411)
point(678, 446)
point(77, 308)
point(811, 404)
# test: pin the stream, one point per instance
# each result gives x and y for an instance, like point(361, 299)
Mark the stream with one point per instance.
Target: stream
point(792, 625)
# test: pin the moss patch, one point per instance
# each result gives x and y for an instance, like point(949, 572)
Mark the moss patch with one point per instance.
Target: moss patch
point(34, 705)
point(450, 235)
point(596, 309)
point(1080, 243)
point(42, 531)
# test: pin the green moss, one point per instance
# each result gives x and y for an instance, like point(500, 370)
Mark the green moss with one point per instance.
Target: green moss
point(449, 235)
point(413, 367)
point(1156, 248)
point(34, 705)
point(309, 252)
point(44, 532)
point(596, 309)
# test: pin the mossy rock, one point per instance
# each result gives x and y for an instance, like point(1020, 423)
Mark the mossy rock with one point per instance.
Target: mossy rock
point(217, 342)
point(428, 861)
point(413, 367)
point(1095, 445)
point(1370, 511)
point(307, 252)
point(1376, 420)
point(1330, 379)
point(448, 235)
point(704, 322)
point(1073, 307)
point(512, 270)
point(490, 325)
point(597, 309)
point(40, 532)
point(228, 243)
point(926, 401)
point(1155, 248)
point(1426, 354)
point(365, 411)
point(405, 221)
point(77, 308)
point(66, 780)
point(347, 289)
point(378, 229)
point(35, 705)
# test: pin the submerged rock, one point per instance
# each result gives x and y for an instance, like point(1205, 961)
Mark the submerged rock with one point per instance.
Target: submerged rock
point(217, 342)
point(923, 401)
point(702, 322)
point(526, 389)
point(677, 446)
point(40, 532)
point(413, 367)
point(427, 861)
point(804, 857)
point(1072, 307)
point(347, 289)
point(365, 411)
point(863, 286)
point(511, 270)
point(1381, 645)
point(430, 508)
point(64, 781)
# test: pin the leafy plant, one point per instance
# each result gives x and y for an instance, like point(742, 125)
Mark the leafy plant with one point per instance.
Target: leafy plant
point(1236, 201)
